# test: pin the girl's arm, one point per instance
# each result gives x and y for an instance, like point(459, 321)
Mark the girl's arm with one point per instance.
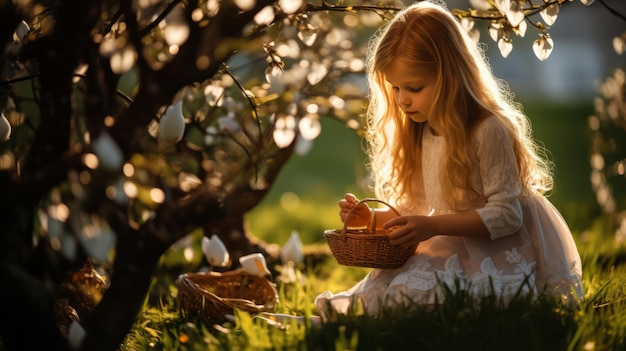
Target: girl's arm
point(414, 229)
point(502, 213)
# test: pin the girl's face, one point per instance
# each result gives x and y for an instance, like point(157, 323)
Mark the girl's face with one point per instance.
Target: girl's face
point(413, 89)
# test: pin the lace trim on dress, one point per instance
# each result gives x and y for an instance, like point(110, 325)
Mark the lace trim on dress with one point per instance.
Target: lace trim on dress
point(490, 279)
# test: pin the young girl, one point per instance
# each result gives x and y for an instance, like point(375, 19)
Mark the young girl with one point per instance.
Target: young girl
point(454, 155)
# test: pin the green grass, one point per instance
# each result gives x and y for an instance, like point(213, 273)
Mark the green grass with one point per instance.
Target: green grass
point(462, 322)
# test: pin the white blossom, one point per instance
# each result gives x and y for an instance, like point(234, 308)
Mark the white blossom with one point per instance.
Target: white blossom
point(215, 251)
point(292, 249)
point(172, 124)
point(5, 128)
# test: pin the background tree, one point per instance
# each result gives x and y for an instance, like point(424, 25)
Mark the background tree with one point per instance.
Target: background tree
point(607, 128)
point(126, 125)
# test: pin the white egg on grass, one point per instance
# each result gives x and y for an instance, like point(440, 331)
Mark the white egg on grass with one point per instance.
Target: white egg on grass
point(254, 264)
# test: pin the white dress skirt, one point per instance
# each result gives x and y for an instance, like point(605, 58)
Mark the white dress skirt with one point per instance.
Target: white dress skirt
point(530, 248)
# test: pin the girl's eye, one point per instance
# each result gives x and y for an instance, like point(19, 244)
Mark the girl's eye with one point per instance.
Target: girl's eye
point(410, 89)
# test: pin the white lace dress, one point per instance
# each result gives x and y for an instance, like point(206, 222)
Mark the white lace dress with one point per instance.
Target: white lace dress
point(530, 246)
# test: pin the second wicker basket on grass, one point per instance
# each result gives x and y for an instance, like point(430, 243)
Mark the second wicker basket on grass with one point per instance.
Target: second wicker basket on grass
point(212, 295)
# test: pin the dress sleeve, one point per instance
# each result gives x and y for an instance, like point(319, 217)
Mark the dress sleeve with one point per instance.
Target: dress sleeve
point(502, 213)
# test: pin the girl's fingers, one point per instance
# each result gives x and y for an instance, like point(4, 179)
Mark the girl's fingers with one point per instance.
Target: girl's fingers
point(396, 234)
point(351, 198)
point(397, 239)
point(346, 205)
point(401, 236)
point(359, 216)
point(394, 222)
point(349, 201)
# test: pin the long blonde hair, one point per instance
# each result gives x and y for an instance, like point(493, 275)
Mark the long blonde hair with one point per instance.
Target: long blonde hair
point(465, 93)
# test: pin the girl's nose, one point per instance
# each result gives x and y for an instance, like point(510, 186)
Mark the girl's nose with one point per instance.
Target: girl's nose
point(404, 100)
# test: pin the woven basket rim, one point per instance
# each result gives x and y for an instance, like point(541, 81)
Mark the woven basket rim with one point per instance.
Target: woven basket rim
point(190, 286)
point(358, 233)
point(198, 288)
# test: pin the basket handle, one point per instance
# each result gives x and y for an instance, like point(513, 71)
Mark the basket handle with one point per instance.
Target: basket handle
point(372, 224)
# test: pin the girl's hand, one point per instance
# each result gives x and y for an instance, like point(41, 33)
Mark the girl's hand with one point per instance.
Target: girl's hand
point(411, 230)
point(361, 215)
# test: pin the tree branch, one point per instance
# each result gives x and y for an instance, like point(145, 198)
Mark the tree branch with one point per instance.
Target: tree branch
point(612, 10)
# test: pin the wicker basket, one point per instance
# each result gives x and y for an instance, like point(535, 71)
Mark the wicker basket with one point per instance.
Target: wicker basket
point(212, 295)
point(367, 247)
